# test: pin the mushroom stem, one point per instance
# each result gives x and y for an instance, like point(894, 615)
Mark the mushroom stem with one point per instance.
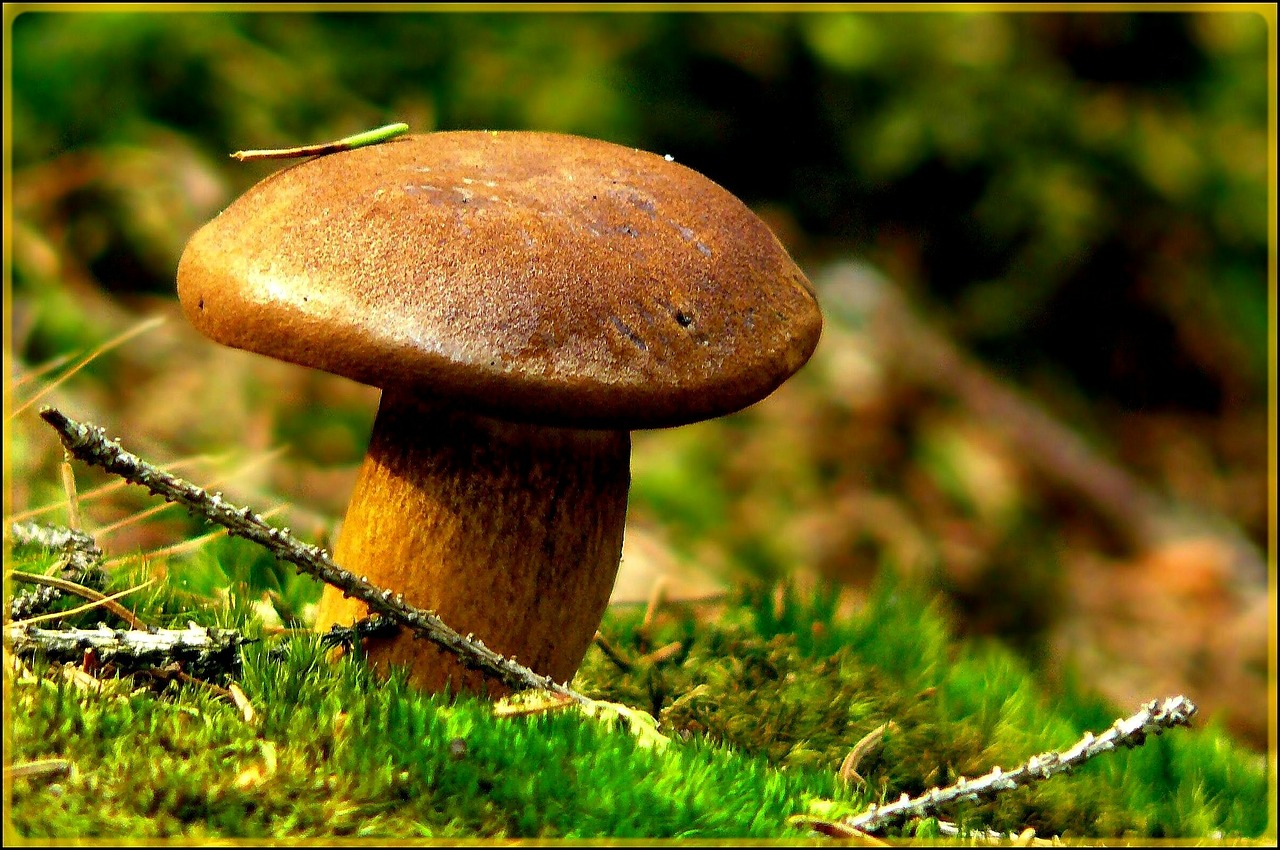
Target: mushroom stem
point(509, 531)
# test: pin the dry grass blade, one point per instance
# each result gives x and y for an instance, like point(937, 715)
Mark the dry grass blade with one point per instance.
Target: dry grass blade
point(186, 545)
point(114, 342)
point(849, 767)
point(242, 703)
point(83, 592)
point(69, 487)
point(111, 487)
point(132, 519)
point(99, 603)
point(41, 370)
point(41, 767)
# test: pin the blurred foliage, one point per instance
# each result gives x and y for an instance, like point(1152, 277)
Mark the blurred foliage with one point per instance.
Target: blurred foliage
point(1078, 192)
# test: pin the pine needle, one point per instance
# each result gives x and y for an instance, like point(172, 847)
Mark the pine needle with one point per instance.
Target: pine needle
point(41, 370)
point(114, 342)
point(81, 591)
point(99, 603)
point(69, 486)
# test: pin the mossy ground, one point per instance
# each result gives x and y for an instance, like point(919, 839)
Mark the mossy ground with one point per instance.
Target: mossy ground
point(763, 699)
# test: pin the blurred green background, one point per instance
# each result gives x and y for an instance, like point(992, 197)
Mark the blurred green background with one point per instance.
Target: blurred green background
point(1078, 200)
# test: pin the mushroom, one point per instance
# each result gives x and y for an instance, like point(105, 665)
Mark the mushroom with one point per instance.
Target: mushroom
point(524, 300)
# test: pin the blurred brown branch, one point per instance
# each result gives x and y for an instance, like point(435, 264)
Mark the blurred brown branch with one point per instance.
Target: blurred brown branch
point(1141, 516)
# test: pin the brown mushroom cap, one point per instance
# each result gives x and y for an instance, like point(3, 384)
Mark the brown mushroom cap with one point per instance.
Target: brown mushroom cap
point(525, 276)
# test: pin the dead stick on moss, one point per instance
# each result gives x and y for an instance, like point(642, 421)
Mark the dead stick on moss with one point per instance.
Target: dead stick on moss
point(80, 549)
point(82, 564)
point(90, 444)
point(657, 595)
point(1152, 719)
point(662, 653)
point(207, 651)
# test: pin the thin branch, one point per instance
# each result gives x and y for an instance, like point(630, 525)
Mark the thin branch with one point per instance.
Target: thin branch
point(1152, 719)
point(90, 444)
point(200, 650)
point(613, 653)
point(365, 627)
point(152, 511)
point(657, 596)
point(661, 654)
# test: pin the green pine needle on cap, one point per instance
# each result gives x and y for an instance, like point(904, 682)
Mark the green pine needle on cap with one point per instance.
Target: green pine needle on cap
point(358, 140)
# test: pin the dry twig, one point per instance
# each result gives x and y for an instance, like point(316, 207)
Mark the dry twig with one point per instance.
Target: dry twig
point(1152, 719)
point(91, 445)
point(71, 612)
point(661, 654)
point(203, 651)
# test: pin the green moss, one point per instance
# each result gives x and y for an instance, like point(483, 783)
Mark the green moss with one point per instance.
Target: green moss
point(339, 754)
point(793, 684)
point(762, 705)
